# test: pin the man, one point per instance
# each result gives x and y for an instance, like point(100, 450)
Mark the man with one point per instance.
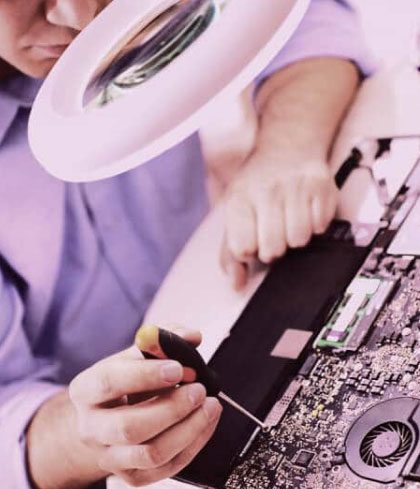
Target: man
point(80, 263)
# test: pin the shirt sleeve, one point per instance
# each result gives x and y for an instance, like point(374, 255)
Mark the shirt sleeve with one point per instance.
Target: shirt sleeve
point(330, 28)
point(26, 382)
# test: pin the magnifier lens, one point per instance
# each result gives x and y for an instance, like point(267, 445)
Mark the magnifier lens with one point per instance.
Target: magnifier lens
point(152, 47)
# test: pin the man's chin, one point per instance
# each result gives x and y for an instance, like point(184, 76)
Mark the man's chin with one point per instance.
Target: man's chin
point(43, 70)
point(40, 69)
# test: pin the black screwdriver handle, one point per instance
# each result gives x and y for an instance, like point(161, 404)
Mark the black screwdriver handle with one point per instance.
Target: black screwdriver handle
point(153, 341)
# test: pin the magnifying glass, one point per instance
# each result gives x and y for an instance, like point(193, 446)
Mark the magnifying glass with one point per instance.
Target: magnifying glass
point(146, 74)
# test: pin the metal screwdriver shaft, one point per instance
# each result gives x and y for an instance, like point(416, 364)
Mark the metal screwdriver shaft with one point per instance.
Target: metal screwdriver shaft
point(237, 406)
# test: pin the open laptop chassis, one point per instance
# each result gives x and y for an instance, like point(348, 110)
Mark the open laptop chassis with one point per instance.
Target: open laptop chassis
point(328, 353)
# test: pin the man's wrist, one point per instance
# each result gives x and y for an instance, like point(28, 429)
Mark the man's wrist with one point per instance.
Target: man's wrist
point(291, 158)
point(300, 109)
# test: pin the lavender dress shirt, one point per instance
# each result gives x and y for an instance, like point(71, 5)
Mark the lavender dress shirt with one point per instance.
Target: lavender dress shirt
point(79, 263)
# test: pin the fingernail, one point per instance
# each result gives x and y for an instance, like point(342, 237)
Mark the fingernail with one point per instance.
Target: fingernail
point(196, 393)
point(212, 408)
point(171, 372)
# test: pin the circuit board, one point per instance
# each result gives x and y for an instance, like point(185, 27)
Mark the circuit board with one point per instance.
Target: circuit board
point(350, 419)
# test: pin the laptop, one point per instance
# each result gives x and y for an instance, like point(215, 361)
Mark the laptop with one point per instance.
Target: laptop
point(327, 352)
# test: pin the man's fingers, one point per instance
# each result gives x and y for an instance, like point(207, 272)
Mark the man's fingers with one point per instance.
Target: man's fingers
point(138, 477)
point(108, 380)
point(332, 202)
point(188, 455)
point(271, 231)
point(319, 217)
point(298, 219)
point(238, 274)
point(162, 449)
point(241, 228)
point(236, 270)
point(264, 217)
point(192, 336)
point(133, 399)
point(129, 425)
point(323, 209)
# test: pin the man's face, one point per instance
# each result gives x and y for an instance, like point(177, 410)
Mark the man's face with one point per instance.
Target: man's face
point(34, 33)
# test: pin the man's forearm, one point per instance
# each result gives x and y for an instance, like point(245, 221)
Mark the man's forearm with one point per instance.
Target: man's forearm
point(286, 192)
point(301, 107)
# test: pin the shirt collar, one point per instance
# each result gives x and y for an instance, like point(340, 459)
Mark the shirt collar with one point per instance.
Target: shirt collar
point(15, 92)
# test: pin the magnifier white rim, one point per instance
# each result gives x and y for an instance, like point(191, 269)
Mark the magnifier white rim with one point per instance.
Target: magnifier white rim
point(64, 136)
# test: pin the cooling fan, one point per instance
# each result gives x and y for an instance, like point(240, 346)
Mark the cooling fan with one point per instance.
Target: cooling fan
point(386, 444)
point(382, 444)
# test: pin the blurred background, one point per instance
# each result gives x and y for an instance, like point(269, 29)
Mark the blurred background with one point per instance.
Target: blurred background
point(391, 28)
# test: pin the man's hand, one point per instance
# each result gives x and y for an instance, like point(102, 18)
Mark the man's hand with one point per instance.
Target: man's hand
point(126, 418)
point(146, 441)
point(285, 192)
point(275, 204)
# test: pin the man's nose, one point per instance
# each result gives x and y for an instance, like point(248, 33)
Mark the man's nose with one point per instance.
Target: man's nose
point(75, 14)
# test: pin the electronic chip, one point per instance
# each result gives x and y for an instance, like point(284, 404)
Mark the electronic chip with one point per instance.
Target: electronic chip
point(303, 458)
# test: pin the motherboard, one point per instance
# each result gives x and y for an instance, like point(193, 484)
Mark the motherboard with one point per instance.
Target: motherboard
point(350, 419)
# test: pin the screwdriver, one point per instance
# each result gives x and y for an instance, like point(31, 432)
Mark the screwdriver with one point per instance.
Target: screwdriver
point(155, 342)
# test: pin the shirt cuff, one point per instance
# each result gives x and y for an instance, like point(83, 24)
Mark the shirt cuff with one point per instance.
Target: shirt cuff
point(329, 29)
point(15, 415)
